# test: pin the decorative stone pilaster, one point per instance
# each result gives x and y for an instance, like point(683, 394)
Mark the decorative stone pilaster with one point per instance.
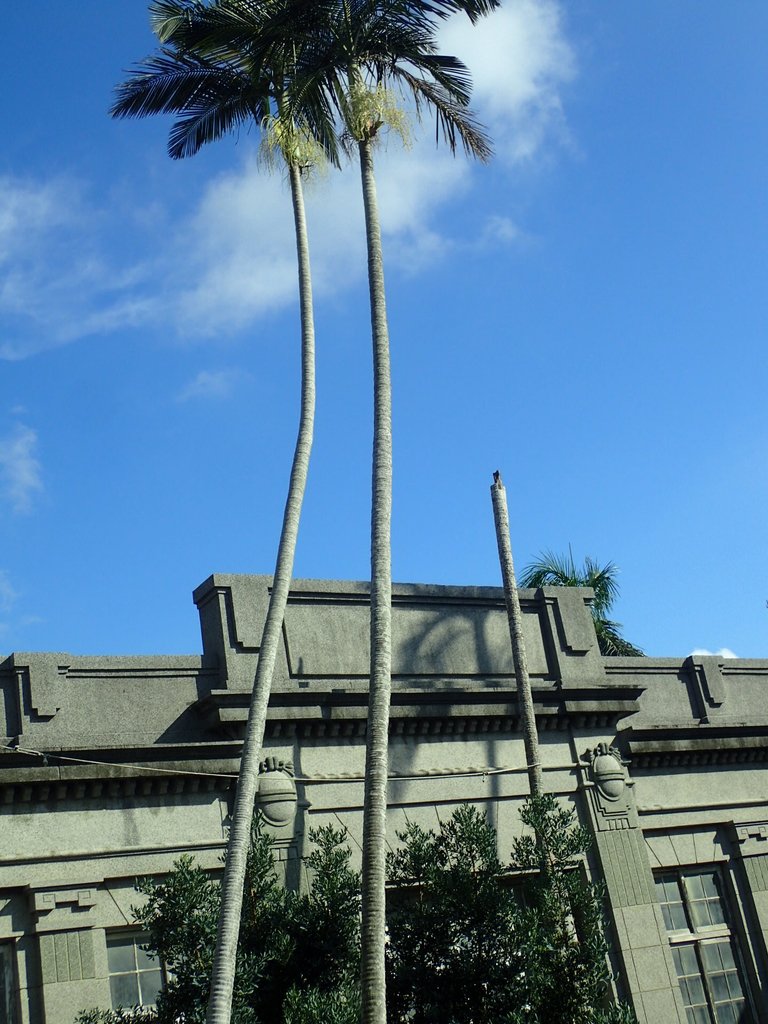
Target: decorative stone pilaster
point(277, 801)
point(641, 938)
point(750, 845)
point(63, 918)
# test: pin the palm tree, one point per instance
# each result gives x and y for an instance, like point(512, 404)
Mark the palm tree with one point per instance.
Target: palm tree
point(553, 570)
point(342, 55)
point(214, 90)
point(364, 48)
point(515, 619)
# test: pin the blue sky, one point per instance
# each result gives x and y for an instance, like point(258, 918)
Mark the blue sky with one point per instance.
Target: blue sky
point(586, 314)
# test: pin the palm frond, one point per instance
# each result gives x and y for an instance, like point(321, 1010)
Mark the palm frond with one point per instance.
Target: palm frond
point(551, 570)
point(452, 120)
point(554, 570)
point(612, 644)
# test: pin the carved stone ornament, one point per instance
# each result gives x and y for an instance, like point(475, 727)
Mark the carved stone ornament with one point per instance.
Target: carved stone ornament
point(276, 798)
point(608, 771)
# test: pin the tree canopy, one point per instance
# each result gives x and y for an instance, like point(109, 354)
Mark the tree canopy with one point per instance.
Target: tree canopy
point(472, 940)
point(554, 570)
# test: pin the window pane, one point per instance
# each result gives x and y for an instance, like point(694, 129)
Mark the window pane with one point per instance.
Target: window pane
point(125, 990)
point(674, 917)
point(150, 982)
point(120, 954)
point(709, 884)
point(685, 960)
point(725, 983)
point(669, 896)
point(135, 976)
point(694, 886)
point(703, 891)
point(720, 990)
point(693, 991)
point(698, 1015)
point(145, 961)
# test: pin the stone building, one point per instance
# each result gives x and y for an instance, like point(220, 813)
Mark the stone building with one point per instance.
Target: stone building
point(114, 767)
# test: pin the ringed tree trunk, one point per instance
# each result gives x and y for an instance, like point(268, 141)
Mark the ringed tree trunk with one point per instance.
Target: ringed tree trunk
point(373, 930)
point(514, 617)
point(223, 975)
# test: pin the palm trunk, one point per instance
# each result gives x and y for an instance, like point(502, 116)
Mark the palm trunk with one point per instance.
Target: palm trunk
point(514, 617)
point(223, 975)
point(373, 980)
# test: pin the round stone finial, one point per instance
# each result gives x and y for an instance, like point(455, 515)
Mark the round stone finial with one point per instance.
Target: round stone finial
point(276, 797)
point(608, 771)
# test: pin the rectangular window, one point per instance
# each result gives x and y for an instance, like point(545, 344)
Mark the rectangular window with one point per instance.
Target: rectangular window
point(135, 979)
point(704, 948)
point(8, 984)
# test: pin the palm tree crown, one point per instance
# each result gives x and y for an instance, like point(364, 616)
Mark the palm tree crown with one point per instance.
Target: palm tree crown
point(553, 570)
point(222, 67)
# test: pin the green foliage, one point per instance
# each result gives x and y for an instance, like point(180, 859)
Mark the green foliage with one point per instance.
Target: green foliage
point(464, 947)
point(297, 953)
point(452, 951)
point(560, 925)
point(135, 1016)
point(553, 570)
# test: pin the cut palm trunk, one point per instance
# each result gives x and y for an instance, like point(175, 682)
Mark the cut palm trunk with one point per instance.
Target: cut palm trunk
point(223, 975)
point(514, 617)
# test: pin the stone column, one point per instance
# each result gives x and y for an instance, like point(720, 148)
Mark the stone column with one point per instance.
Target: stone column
point(72, 978)
point(641, 944)
point(751, 846)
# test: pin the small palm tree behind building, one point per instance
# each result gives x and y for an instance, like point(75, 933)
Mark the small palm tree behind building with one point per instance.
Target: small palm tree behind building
point(553, 570)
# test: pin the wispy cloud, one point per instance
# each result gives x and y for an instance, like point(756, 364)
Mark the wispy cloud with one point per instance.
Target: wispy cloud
point(724, 652)
point(62, 278)
point(19, 467)
point(10, 620)
point(8, 595)
point(211, 384)
point(520, 61)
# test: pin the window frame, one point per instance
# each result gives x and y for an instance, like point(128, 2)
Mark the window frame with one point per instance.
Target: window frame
point(138, 938)
point(697, 936)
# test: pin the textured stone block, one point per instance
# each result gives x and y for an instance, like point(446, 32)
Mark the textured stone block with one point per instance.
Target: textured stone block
point(640, 923)
point(662, 1007)
point(651, 967)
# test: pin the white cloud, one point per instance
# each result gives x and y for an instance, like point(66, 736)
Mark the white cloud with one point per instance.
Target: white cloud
point(520, 60)
point(724, 652)
point(59, 281)
point(20, 468)
point(62, 277)
point(211, 384)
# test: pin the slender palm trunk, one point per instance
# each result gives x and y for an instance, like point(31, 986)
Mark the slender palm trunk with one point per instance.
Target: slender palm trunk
point(514, 616)
point(373, 979)
point(223, 976)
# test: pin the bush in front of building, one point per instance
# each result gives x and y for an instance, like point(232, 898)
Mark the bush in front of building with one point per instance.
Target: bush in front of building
point(471, 940)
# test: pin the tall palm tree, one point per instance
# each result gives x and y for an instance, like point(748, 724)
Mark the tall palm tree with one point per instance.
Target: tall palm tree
point(344, 55)
point(363, 49)
point(553, 570)
point(515, 620)
point(214, 90)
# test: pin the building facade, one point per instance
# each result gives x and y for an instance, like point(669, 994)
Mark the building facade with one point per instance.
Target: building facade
point(112, 768)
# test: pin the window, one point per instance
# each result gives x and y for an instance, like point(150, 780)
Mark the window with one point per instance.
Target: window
point(704, 949)
point(135, 979)
point(7, 984)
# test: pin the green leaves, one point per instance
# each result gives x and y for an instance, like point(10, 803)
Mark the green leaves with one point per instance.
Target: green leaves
point(474, 941)
point(295, 952)
point(553, 570)
point(471, 940)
